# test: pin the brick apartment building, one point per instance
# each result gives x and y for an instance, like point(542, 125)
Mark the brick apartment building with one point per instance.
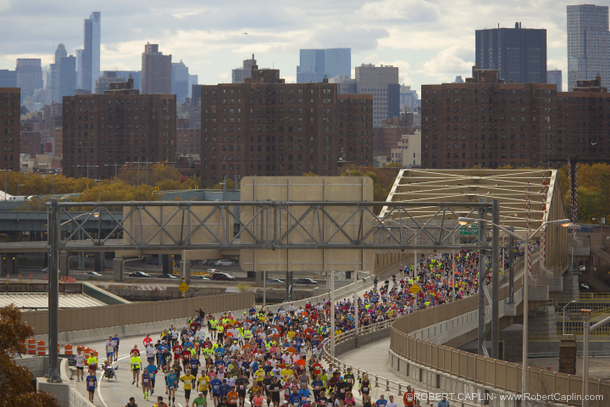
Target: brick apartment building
point(268, 127)
point(120, 126)
point(389, 134)
point(10, 128)
point(188, 141)
point(486, 122)
point(30, 142)
point(581, 124)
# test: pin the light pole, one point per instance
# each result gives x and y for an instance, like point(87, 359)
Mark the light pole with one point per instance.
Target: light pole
point(563, 331)
point(99, 190)
point(586, 330)
point(525, 239)
point(115, 165)
point(87, 166)
point(18, 185)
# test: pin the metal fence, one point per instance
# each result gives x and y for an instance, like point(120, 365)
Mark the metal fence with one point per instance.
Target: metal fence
point(78, 319)
point(492, 373)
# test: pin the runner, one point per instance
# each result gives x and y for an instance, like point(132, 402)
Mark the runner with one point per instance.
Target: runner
point(109, 345)
point(187, 381)
point(171, 380)
point(80, 364)
point(146, 384)
point(91, 384)
point(136, 364)
point(116, 341)
point(200, 401)
point(409, 399)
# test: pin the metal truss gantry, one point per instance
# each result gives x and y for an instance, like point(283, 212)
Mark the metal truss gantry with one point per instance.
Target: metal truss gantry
point(270, 225)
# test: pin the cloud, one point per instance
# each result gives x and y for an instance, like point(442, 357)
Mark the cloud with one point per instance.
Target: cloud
point(358, 39)
point(400, 11)
point(445, 65)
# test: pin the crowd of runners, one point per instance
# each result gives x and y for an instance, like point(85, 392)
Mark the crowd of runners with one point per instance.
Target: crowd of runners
point(274, 358)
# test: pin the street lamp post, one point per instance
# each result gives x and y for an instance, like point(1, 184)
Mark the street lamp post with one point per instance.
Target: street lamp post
point(525, 239)
point(563, 331)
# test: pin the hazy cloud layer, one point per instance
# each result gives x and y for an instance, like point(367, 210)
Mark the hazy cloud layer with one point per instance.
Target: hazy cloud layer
point(431, 41)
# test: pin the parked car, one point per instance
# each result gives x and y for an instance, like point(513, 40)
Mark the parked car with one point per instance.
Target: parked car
point(224, 263)
point(222, 277)
point(307, 281)
point(93, 274)
point(274, 281)
point(167, 276)
point(139, 274)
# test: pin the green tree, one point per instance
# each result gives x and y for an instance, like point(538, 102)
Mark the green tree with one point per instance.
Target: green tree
point(16, 381)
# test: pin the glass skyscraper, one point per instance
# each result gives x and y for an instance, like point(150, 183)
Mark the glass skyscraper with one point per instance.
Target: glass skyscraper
point(519, 54)
point(588, 42)
point(315, 64)
point(91, 51)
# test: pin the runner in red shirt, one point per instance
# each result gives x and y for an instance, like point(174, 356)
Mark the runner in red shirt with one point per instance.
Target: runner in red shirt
point(409, 397)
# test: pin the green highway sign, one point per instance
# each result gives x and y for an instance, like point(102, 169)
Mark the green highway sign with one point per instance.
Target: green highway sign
point(469, 231)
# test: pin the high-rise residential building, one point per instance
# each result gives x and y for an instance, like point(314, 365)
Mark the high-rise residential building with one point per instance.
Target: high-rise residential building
point(239, 75)
point(156, 71)
point(267, 127)
point(180, 81)
point(519, 53)
point(10, 128)
point(91, 51)
point(63, 75)
point(140, 128)
point(29, 75)
point(193, 81)
point(135, 75)
point(486, 122)
point(555, 77)
point(317, 64)
point(104, 81)
point(387, 136)
point(588, 44)
point(8, 79)
point(381, 82)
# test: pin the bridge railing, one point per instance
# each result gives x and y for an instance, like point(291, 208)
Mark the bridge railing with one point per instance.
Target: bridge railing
point(108, 316)
point(488, 372)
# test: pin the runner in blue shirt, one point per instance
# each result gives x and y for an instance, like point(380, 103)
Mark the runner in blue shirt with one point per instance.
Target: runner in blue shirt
point(381, 402)
point(91, 385)
point(171, 380)
point(152, 372)
point(215, 384)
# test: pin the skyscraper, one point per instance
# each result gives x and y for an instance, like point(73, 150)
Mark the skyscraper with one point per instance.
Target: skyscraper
point(381, 82)
point(588, 42)
point(91, 51)
point(555, 76)
point(79, 68)
point(180, 81)
point(519, 54)
point(63, 75)
point(29, 76)
point(238, 75)
point(315, 64)
point(156, 71)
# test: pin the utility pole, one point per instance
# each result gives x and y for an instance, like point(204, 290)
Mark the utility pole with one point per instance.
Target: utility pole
point(87, 166)
point(115, 165)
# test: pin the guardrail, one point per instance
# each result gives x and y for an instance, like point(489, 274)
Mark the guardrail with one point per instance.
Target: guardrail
point(492, 373)
point(79, 319)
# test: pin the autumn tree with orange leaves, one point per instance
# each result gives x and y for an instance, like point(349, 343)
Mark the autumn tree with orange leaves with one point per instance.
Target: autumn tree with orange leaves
point(16, 381)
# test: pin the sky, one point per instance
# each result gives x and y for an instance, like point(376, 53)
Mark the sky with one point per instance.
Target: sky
point(430, 41)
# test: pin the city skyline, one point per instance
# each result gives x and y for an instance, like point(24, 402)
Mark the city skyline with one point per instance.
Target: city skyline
point(429, 42)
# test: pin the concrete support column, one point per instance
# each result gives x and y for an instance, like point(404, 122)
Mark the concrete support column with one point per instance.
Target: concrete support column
point(567, 354)
point(185, 270)
point(64, 264)
point(10, 263)
point(99, 261)
point(117, 269)
point(2, 262)
point(166, 260)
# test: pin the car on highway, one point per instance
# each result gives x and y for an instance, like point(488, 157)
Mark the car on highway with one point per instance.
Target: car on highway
point(139, 274)
point(222, 277)
point(167, 276)
point(224, 263)
point(44, 270)
point(307, 281)
point(199, 277)
point(93, 274)
point(212, 271)
point(274, 281)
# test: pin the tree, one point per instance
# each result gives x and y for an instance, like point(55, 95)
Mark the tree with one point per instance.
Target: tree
point(15, 381)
